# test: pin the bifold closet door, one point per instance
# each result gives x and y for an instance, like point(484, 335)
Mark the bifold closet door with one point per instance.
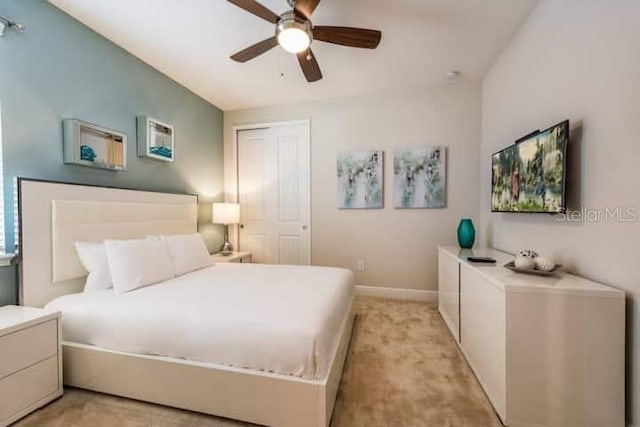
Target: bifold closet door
point(273, 187)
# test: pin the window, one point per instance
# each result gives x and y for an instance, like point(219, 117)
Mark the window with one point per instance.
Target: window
point(2, 234)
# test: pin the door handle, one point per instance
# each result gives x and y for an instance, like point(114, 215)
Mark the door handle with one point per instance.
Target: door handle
point(304, 227)
point(241, 225)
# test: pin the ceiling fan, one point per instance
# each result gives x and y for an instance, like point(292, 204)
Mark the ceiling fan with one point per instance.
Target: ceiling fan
point(294, 33)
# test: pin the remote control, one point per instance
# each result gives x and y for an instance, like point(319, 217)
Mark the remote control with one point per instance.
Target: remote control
point(485, 259)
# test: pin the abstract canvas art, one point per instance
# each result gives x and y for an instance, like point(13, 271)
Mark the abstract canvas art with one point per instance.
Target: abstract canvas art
point(419, 178)
point(360, 180)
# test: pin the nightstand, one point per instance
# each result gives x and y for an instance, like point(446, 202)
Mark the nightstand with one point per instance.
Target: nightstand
point(234, 257)
point(30, 361)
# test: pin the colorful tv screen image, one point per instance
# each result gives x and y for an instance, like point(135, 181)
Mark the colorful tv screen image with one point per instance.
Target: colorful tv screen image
point(530, 175)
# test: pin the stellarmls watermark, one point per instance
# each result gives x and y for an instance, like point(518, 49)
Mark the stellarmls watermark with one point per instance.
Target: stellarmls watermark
point(585, 214)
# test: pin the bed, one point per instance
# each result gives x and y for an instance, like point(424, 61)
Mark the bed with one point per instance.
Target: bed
point(258, 343)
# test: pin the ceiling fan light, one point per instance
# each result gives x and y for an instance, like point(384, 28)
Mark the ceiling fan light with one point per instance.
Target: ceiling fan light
point(294, 33)
point(294, 40)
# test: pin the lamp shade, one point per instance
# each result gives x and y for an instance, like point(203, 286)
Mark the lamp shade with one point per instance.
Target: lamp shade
point(226, 213)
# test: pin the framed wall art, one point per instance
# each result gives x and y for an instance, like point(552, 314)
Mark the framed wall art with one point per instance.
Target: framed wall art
point(94, 146)
point(360, 180)
point(156, 140)
point(419, 178)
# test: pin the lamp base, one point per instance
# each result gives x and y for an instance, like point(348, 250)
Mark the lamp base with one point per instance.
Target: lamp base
point(226, 249)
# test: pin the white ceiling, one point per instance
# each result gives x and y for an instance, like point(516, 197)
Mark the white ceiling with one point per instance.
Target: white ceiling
point(191, 41)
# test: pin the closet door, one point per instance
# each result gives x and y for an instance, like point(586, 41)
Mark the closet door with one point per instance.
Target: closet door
point(273, 187)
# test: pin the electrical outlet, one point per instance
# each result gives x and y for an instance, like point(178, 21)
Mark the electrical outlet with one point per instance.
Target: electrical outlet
point(361, 265)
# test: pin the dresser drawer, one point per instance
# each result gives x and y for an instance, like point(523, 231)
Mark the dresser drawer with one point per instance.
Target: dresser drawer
point(25, 347)
point(25, 388)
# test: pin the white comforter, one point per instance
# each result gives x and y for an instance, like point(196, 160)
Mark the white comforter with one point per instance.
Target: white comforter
point(283, 319)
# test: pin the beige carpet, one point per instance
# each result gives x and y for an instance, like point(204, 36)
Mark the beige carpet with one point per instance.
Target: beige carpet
point(404, 370)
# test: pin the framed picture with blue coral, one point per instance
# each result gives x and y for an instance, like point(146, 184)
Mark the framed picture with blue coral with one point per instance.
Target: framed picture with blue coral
point(155, 139)
point(360, 179)
point(86, 144)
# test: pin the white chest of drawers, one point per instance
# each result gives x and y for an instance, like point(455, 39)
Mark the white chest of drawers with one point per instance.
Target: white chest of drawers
point(30, 361)
point(548, 351)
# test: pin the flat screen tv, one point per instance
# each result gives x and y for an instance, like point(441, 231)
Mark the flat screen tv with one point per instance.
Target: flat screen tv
point(530, 176)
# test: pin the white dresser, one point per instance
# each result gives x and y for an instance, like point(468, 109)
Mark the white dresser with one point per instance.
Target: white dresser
point(548, 351)
point(30, 361)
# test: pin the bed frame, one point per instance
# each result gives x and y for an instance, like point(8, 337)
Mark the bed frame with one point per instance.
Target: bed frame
point(53, 215)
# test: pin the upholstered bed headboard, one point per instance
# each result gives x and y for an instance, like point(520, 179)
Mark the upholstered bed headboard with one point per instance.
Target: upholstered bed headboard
point(53, 216)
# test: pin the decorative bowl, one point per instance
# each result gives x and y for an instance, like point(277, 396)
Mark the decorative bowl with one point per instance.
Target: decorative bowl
point(511, 266)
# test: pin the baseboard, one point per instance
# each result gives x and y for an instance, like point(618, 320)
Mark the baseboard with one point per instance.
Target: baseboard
point(395, 293)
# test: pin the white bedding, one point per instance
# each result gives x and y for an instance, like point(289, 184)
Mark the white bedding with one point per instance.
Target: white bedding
point(283, 319)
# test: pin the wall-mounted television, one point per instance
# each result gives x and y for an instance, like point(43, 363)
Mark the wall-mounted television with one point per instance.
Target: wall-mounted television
point(530, 176)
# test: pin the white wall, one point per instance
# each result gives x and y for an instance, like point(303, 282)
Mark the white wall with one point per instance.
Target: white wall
point(576, 59)
point(398, 246)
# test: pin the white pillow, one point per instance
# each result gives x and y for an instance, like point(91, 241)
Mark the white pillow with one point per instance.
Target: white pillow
point(137, 263)
point(93, 258)
point(188, 252)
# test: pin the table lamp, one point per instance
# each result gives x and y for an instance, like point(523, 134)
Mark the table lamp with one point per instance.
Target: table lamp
point(226, 213)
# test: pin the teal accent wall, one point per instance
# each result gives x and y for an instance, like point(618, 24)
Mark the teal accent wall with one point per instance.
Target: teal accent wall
point(58, 68)
point(8, 288)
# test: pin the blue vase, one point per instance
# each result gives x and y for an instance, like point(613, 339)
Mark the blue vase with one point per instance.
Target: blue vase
point(466, 233)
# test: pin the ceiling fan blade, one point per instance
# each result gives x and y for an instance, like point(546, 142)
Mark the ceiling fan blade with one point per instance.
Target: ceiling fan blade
point(252, 6)
point(309, 66)
point(347, 36)
point(306, 7)
point(255, 50)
